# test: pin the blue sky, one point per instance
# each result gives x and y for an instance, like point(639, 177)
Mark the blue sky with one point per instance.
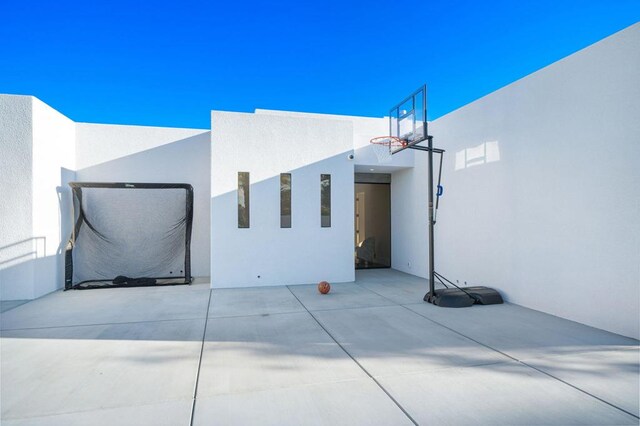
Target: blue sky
point(170, 63)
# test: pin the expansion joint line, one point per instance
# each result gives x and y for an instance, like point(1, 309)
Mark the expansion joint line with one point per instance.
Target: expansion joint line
point(505, 354)
point(526, 364)
point(195, 387)
point(510, 357)
point(354, 360)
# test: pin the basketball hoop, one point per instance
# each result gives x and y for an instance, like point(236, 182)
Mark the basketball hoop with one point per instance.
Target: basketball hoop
point(384, 145)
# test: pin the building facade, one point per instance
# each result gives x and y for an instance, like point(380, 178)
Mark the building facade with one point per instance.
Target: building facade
point(542, 191)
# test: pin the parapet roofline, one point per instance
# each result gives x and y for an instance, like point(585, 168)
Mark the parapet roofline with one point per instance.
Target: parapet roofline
point(262, 111)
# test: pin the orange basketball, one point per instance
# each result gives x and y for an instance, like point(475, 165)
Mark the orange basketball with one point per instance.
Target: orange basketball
point(324, 287)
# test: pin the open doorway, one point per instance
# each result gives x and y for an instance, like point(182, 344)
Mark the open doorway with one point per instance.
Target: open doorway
point(372, 221)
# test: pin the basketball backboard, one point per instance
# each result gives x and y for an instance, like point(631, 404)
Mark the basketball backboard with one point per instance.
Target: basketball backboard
point(407, 127)
point(408, 119)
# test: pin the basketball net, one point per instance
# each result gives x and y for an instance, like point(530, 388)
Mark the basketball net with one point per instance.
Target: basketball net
point(384, 145)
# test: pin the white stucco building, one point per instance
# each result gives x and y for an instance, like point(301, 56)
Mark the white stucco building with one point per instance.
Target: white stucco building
point(542, 197)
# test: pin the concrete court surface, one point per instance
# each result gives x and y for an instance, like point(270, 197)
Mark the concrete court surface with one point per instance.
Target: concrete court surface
point(368, 353)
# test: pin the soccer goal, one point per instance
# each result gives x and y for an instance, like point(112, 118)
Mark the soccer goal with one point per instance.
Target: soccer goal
point(129, 235)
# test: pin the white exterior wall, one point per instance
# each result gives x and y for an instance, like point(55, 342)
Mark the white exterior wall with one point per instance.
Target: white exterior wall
point(53, 168)
point(266, 145)
point(37, 151)
point(409, 232)
point(17, 247)
point(548, 214)
point(364, 129)
point(116, 153)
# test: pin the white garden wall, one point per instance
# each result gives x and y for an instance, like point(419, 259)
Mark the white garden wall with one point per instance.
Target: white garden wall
point(37, 151)
point(53, 168)
point(364, 129)
point(542, 190)
point(266, 145)
point(116, 153)
point(17, 247)
point(409, 233)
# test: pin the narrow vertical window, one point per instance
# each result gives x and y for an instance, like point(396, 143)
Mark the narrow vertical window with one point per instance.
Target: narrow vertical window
point(243, 199)
point(325, 201)
point(285, 200)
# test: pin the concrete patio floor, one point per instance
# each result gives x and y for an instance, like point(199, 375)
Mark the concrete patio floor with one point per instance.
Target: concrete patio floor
point(368, 353)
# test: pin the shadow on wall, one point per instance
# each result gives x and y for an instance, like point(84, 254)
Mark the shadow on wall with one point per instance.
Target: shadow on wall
point(13, 253)
point(266, 254)
point(65, 207)
point(66, 222)
point(35, 266)
point(183, 161)
point(18, 262)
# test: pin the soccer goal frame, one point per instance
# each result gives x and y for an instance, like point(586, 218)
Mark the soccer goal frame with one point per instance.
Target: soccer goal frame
point(93, 237)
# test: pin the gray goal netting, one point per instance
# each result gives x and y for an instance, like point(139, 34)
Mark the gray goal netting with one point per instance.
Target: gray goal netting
point(129, 235)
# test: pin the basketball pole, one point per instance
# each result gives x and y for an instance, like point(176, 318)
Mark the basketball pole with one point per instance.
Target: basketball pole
point(399, 139)
point(411, 141)
point(431, 214)
point(429, 297)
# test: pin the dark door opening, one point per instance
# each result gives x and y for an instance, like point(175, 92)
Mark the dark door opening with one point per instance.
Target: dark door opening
point(373, 224)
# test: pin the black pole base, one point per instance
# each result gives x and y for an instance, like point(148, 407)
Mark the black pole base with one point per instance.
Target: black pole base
point(464, 297)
